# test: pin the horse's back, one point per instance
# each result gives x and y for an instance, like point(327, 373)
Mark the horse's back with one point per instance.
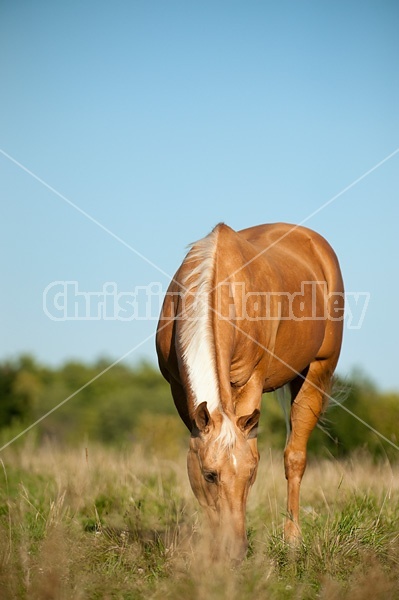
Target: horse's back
point(299, 247)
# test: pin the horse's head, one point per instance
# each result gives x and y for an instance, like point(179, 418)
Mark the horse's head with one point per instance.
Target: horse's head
point(222, 464)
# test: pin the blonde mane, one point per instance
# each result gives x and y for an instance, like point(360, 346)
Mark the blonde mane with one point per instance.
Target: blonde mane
point(196, 334)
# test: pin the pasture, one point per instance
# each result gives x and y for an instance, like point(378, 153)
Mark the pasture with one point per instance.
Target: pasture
point(92, 522)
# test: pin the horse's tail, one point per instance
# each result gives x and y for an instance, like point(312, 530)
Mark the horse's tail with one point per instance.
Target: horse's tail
point(283, 396)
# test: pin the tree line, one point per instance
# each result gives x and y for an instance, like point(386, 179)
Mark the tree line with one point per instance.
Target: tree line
point(129, 404)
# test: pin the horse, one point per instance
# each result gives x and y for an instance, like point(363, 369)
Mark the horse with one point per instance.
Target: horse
point(249, 312)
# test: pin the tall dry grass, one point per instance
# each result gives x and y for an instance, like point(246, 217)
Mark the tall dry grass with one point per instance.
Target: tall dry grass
point(99, 523)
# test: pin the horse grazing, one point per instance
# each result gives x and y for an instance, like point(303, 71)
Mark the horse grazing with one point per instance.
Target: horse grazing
point(246, 313)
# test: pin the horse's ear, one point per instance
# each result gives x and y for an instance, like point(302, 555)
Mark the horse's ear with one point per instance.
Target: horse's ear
point(249, 424)
point(202, 418)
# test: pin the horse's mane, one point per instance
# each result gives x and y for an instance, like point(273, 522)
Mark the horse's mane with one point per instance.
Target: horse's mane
point(196, 334)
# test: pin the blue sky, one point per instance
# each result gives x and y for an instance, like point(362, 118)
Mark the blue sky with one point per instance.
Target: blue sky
point(159, 119)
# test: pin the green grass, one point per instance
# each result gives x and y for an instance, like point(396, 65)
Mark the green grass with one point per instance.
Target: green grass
point(111, 524)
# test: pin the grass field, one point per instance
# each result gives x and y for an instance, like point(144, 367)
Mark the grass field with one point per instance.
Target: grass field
point(100, 523)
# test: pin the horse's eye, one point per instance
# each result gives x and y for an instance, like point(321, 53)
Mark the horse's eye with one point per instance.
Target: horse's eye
point(211, 476)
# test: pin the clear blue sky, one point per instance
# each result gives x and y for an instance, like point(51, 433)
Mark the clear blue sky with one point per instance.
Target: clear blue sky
point(160, 119)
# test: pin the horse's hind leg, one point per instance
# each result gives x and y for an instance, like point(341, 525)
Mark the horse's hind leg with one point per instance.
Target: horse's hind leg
point(307, 400)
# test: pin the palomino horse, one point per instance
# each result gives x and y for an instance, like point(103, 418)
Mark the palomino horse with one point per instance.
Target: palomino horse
point(248, 312)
